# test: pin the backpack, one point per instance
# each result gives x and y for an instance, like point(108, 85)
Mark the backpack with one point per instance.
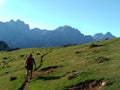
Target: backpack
point(29, 61)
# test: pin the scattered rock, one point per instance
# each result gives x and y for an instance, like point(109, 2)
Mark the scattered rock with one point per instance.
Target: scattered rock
point(3, 67)
point(4, 62)
point(74, 74)
point(12, 78)
point(71, 76)
point(22, 55)
point(77, 52)
point(5, 58)
point(101, 59)
point(37, 53)
point(6, 72)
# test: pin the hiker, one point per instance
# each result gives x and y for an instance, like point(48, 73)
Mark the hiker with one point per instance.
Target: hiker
point(29, 66)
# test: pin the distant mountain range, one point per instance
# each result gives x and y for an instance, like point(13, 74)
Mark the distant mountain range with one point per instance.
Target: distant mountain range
point(17, 34)
point(101, 36)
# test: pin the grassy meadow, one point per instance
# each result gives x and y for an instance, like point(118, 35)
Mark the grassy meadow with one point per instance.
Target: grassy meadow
point(64, 67)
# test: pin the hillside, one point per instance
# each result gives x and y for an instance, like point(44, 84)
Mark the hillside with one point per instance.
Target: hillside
point(92, 66)
point(3, 46)
point(17, 34)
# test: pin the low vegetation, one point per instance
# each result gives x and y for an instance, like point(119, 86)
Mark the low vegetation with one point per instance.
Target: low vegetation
point(79, 67)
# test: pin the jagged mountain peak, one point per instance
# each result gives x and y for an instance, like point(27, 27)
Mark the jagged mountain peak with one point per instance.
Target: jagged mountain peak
point(108, 34)
point(23, 37)
point(67, 29)
point(63, 27)
point(101, 36)
point(18, 20)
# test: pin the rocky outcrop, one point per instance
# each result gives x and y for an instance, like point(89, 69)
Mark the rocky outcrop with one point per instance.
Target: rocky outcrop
point(3, 46)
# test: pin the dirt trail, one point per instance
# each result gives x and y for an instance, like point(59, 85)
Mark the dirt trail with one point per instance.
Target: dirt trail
point(26, 84)
point(38, 73)
point(35, 73)
point(88, 85)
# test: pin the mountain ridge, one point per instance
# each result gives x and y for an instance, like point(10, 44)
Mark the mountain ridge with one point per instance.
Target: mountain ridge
point(19, 35)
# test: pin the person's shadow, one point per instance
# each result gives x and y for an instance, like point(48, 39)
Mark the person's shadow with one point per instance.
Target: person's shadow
point(22, 86)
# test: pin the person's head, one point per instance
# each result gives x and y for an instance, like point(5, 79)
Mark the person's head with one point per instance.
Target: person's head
point(30, 55)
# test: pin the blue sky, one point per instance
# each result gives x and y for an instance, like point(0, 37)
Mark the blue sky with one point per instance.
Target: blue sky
point(89, 16)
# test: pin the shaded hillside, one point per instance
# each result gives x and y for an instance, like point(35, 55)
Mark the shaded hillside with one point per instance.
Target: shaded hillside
point(92, 66)
point(3, 46)
point(17, 34)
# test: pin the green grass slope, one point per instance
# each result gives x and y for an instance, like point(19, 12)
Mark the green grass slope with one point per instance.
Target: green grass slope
point(64, 67)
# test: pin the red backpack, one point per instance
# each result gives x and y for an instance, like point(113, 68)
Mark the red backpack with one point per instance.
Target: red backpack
point(29, 61)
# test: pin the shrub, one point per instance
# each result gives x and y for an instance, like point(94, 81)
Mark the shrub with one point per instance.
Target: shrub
point(95, 45)
point(5, 58)
point(12, 78)
point(77, 52)
point(37, 53)
point(22, 55)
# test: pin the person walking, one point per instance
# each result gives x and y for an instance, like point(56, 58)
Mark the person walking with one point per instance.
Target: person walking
point(29, 62)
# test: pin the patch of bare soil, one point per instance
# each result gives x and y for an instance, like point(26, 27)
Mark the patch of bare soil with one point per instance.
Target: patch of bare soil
point(89, 85)
point(46, 70)
point(49, 69)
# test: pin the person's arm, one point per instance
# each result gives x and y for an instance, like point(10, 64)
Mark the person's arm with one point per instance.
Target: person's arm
point(34, 63)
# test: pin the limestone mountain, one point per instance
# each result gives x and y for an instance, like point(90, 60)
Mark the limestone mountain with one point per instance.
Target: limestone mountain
point(17, 34)
point(101, 36)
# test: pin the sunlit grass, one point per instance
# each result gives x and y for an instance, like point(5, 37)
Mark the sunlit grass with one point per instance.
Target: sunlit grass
point(83, 62)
